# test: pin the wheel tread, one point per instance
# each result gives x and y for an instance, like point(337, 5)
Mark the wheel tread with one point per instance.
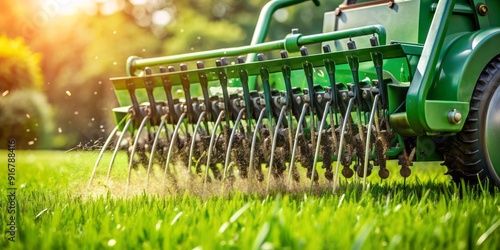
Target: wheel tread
point(463, 155)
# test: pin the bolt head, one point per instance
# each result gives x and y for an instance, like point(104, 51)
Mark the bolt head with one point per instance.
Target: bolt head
point(455, 117)
point(344, 96)
point(328, 97)
point(458, 117)
point(306, 98)
point(262, 102)
point(365, 94)
point(220, 105)
point(282, 100)
point(298, 100)
point(319, 98)
point(482, 9)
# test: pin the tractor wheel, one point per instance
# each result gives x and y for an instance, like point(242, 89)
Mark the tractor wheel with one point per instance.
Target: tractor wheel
point(474, 153)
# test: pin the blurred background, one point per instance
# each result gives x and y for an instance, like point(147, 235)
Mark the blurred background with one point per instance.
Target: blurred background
point(56, 56)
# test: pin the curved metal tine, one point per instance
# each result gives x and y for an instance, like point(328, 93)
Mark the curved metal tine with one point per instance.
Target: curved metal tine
point(367, 148)
point(230, 144)
point(295, 141)
point(290, 130)
point(320, 133)
point(106, 144)
point(153, 148)
point(138, 135)
point(171, 146)
point(117, 147)
point(333, 121)
point(273, 146)
point(360, 129)
point(254, 139)
point(341, 143)
point(212, 141)
point(193, 141)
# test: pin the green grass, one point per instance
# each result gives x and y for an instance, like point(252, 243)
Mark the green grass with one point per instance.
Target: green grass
point(57, 211)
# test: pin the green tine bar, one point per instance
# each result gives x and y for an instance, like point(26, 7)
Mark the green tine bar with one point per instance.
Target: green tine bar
point(206, 96)
point(308, 71)
point(354, 65)
point(246, 93)
point(378, 62)
point(133, 97)
point(149, 90)
point(287, 72)
point(167, 86)
point(225, 93)
point(264, 73)
point(187, 94)
point(330, 69)
point(134, 63)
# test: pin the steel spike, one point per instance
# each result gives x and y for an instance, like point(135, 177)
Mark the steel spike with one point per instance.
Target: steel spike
point(273, 147)
point(294, 150)
point(136, 141)
point(212, 141)
point(320, 133)
point(101, 153)
point(231, 138)
point(171, 146)
point(254, 140)
point(341, 143)
point(120, 138)
point(367, 148)
point(153, 148)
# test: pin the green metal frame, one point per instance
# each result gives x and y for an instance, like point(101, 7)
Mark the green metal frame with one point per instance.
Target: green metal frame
point(437, 76)
point(465, 58)
point(447, 73)
point(416, 108)
point(292, 43)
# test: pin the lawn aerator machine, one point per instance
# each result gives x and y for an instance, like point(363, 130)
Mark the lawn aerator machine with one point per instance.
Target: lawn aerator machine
point(410, 80)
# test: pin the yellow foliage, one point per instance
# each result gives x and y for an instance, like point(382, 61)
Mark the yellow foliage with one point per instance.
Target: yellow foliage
point(20, 67)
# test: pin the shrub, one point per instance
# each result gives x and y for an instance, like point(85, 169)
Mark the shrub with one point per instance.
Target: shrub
point(26, 117)
point(20, 66)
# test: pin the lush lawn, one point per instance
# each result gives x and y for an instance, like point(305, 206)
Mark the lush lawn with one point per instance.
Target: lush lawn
point(56, 211)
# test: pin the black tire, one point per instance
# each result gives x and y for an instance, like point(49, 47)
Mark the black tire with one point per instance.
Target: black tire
point(467, 155)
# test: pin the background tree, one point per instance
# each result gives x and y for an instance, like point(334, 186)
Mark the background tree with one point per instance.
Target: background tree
point(84, 43)
point(20, 67)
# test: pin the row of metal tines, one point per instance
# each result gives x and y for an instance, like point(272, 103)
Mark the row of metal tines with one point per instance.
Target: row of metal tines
point(253, 101)
point(336, 100)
